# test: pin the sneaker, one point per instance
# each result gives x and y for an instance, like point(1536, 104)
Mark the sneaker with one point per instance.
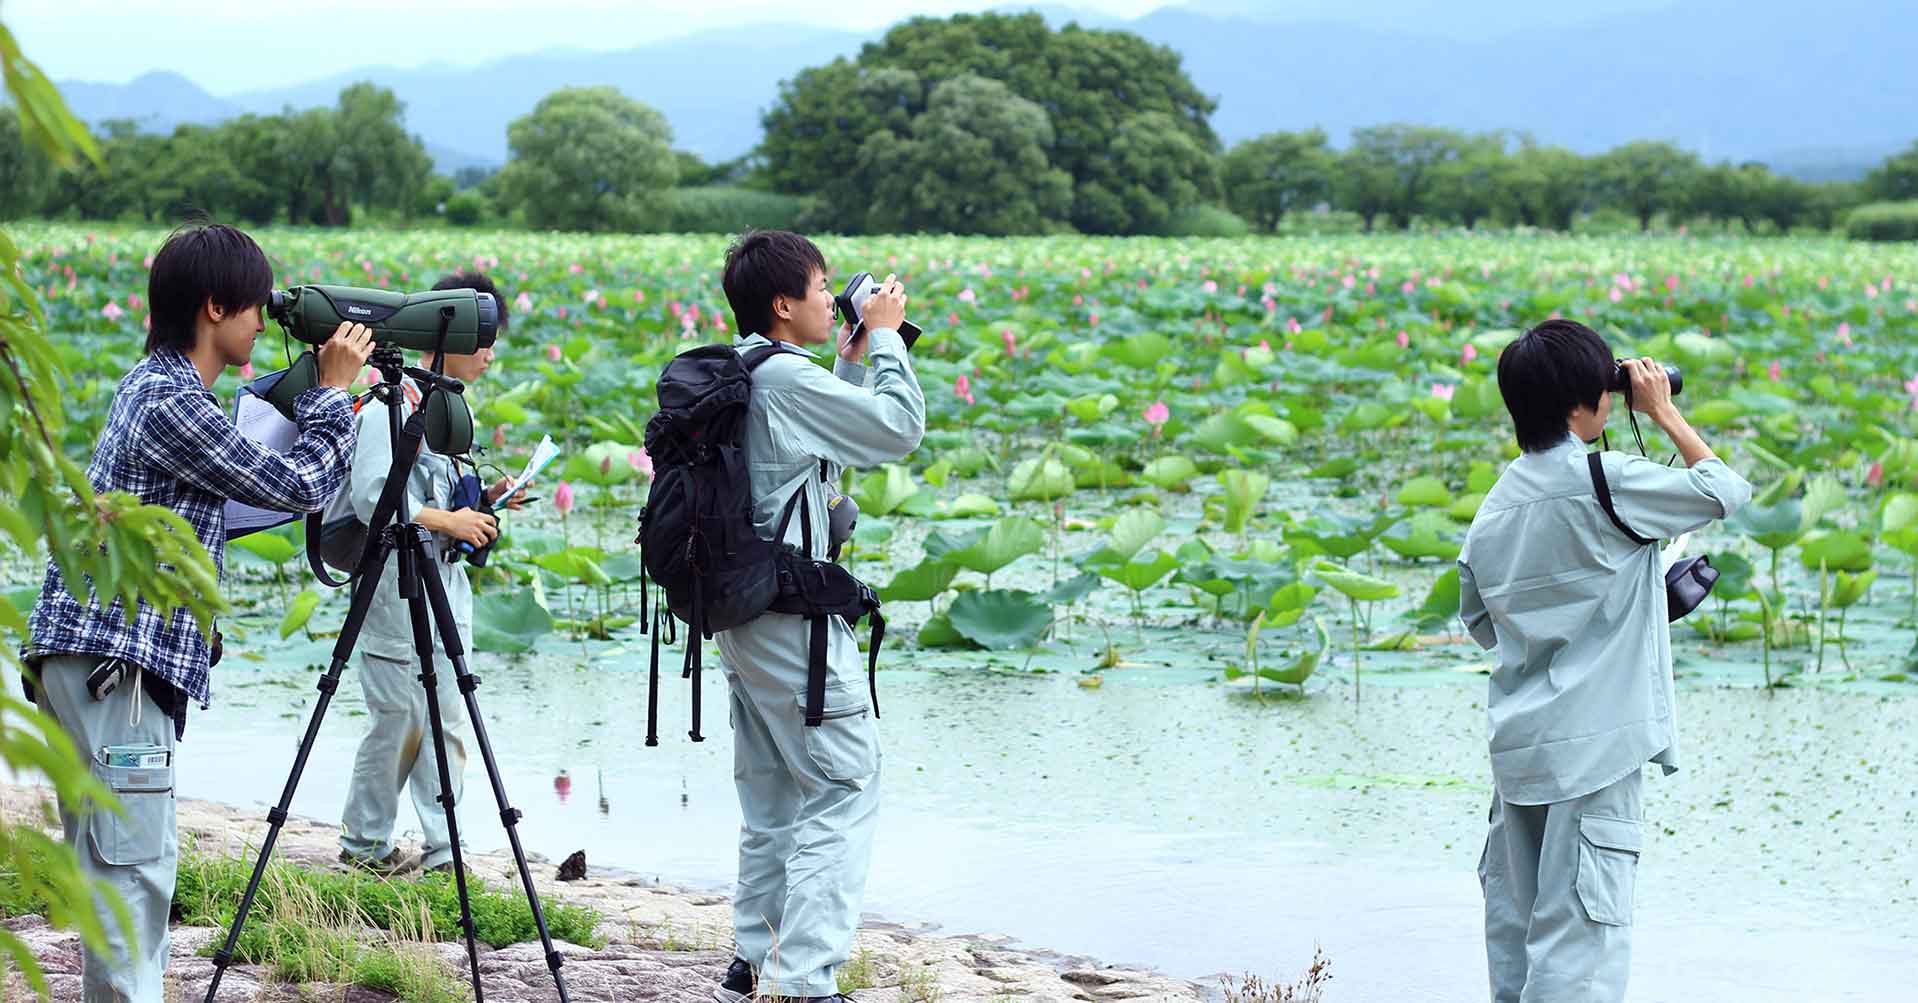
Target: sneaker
point(387, 866)
point(738, 984)
point(443, 867)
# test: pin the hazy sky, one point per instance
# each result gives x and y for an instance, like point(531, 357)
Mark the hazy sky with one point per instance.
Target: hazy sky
point(227, 46)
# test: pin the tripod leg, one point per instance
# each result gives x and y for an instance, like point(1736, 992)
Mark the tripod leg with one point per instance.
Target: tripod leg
point(276, 818)
point(416, 569)
point(508, 815)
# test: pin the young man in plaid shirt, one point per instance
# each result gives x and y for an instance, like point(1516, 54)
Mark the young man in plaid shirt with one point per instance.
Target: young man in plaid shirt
point(121, 691)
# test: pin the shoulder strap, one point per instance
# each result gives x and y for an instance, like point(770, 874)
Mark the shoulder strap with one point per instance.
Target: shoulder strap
point(1597, 463)
point(754, 358)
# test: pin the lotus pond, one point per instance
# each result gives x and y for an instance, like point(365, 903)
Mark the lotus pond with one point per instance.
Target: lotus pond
point(1174, 648)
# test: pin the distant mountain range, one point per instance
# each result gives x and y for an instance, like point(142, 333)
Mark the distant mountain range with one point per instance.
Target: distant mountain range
point(1823, 92)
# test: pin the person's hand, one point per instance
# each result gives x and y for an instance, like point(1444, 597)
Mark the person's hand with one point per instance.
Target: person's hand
point(1651, 386)
point(470, 525)
point(887, 305)
point(499, 488)
point(345, 354)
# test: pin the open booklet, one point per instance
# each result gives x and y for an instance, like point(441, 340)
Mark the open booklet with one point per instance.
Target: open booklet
point(259, 420)
point(262, 422)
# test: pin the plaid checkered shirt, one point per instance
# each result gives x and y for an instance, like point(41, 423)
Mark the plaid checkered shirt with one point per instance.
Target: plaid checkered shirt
point(168, 442)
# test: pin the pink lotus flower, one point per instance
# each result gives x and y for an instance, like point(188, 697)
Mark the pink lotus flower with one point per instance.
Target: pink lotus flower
point(1824, 282)
point(962, 388)
point(639, 295)
point(1292, 325)
point(1157, 414)
point(499, 436)
point(1616, 295)
point(1012, 343)
point(147, 264)
point(562, 313)
point(640, 461)
point(1093, 320)
point(1871, 291)
point(675, 308)
point(574, 269)
point(368, 265)
point(563, 498)
point(134, 301)
point(1348, 282)
point(1470, 353)
point(1078, 300)
point(1844, 334)
point(1671, 282)
point(952, 319)
point(1443, 391)
point(553, 353)
point(1875, 477)
point(246, 370)
point(112, 311)
point(1911, 386)
point(592, 296)
point(1407, 287)
point(966, 295)
point(1207, 286)
point(1774, 371)
point(1405, 340)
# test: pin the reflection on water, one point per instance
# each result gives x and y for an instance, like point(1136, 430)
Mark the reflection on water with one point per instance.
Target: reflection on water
point(1158, 820)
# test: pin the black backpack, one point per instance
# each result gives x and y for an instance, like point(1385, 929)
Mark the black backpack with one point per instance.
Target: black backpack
point(698, 543)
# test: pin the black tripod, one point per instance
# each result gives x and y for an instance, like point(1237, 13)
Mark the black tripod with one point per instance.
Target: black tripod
point(425, 594)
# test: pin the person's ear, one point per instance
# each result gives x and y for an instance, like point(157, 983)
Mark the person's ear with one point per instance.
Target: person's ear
point(782, 307)
point(214, 311)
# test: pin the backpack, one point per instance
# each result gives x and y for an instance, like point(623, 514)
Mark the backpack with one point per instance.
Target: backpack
point(699, 546)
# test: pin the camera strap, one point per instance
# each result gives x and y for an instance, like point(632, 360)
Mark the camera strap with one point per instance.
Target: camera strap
point(1597, 462)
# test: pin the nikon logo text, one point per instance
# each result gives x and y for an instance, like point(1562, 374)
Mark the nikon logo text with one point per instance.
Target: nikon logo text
point(358, 310)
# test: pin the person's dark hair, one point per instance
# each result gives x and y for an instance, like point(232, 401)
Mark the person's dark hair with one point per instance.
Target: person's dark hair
point(201, 262)
point(1545, 374)
point(762, 264)
point(476, 280)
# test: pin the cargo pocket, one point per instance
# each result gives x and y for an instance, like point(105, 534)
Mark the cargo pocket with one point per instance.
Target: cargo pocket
point(1608, 849)
point(141, 777)
point(843, 746)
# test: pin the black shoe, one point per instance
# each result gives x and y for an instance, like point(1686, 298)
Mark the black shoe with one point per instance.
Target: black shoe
point(738, 984)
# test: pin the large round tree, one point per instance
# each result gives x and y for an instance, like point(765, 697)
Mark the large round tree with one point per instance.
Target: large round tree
point(590, 158)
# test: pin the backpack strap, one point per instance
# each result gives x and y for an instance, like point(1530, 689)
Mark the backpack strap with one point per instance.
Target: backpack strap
point(757, 357)
point(1595, 461)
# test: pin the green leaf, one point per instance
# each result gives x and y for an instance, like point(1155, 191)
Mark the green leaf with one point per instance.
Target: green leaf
point(1006, 541)
point(1040, 478)
point(1243, 491)
point(1363, 588)
point(1823, 496)
point(920, 583)
point(1775, 526)
point(1424, 492)
point(1735, 574)
point(1090, 409)
point(509, 622)
point(1850, 588)
point(1000, 618)
point(1168, 472)
point(1425, 535)
point(1132, 532)
point(1141, 575)
point(1900, 512)
point(884, 490)
point(1276, 430)
point(269, 548)
point(299, 612)
point(972, 506)
point(1441, 602)
point(1837, 549)
point(1466, 507)
point(1073, 589)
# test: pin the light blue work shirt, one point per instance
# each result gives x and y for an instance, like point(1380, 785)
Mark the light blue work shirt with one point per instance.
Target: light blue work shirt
point(1581, 694)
